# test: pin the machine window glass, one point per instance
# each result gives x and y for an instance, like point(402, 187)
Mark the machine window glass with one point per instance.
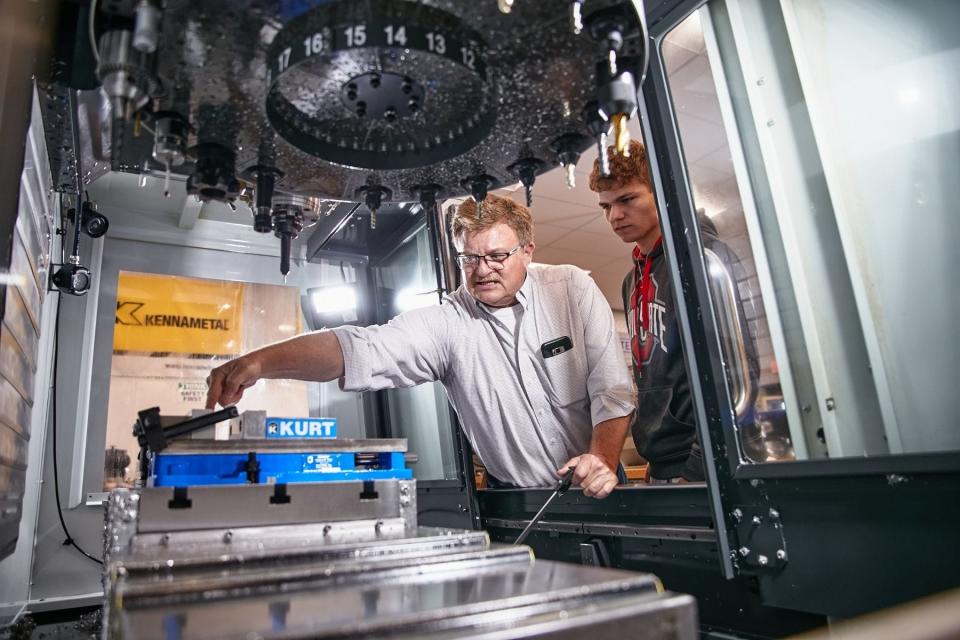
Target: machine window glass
point(406, 280)
point(820, 140)
point(750, 357)
point(169, 332)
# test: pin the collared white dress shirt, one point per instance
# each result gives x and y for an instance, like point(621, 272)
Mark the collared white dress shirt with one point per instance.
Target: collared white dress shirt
point(525, 414)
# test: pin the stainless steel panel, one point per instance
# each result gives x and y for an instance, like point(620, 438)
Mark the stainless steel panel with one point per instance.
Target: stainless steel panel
point(345, 445)
point(219, 582)
point(671, 617)
point(436, 598)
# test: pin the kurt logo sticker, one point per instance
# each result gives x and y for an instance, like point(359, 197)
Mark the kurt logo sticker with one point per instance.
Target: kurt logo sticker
point(301, 427)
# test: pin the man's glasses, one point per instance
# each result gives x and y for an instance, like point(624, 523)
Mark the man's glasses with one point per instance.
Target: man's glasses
point(493, 260)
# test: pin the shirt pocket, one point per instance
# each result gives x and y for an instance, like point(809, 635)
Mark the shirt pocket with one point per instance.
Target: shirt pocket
point(566, 378)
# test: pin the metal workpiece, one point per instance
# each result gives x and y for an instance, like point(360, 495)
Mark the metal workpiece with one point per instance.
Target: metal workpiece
point(361, 564)
point(465, 597)
point(183, 551)
point(345, 559)
point(165, 509)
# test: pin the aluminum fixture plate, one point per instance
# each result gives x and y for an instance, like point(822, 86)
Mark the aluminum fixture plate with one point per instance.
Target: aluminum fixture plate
point(432, 598)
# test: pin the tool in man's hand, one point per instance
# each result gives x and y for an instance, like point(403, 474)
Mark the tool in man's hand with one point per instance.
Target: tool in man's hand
point(561, 489)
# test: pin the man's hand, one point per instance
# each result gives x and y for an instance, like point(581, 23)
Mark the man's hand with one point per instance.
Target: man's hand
point(226, 383)
point(592, 474)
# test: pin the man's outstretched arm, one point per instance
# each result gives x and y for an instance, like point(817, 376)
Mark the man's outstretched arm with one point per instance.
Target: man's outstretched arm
point(313, 356)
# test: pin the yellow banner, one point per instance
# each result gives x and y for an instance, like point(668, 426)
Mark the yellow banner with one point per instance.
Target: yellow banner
point(171, 314)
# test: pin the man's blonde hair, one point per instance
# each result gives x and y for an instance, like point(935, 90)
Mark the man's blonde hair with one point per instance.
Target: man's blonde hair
point(623, 170)
point(494, 211)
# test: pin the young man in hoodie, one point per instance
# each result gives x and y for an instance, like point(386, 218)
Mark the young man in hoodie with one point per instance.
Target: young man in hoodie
point(663, 427)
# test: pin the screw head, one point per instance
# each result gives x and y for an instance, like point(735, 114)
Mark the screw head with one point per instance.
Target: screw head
point(781, 554)
point(744, 551)
point(737, 515)
point(756, 521)
point(228, 536)
point(774, 514)
point(763, 560)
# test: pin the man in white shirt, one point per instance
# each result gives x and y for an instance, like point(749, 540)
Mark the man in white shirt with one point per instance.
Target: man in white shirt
point(527, 353)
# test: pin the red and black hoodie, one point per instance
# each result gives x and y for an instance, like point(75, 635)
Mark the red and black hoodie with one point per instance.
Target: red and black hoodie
point(664, 425)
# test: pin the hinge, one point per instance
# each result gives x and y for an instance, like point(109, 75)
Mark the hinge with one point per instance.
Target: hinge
point(759, 534)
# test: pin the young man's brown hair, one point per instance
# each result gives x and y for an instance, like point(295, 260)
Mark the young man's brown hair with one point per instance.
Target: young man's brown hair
point(494, 211)
point(622, 169)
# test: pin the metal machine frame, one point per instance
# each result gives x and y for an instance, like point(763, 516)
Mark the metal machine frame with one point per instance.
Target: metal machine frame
point(796, 542)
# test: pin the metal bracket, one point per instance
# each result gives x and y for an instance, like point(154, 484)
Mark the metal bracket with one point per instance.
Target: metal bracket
point(593, 553)
point(760, 541)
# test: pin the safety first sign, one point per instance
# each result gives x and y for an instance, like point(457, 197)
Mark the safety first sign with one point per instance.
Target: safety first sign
point(166, 314)
point(301, 428)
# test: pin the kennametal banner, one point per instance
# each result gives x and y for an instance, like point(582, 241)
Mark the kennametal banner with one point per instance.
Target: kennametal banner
point(163, 314)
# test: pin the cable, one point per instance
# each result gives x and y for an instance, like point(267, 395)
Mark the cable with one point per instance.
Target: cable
point(56, 475)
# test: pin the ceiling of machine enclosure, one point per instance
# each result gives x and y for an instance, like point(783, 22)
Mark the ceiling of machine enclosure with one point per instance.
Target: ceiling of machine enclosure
point(450, 89)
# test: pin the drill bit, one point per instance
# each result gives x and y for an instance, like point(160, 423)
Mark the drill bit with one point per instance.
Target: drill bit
point(621, 135)
point(576, 16)
point(602, 154)
point(571, 175)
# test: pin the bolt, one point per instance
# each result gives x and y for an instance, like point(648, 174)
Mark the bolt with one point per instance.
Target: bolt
point(390, 114)
point(756, 521)
point(407, 86)
point(774, 514)
point(737, 515)
point(375, 80)
point(760, 81)
point(781, 554)
point(831, 404)
point(351, 94)
point(744, 551)
point(755, 483)
point(770, 123)
point(326, 529)
point(413, 105)
point(227, 537)
point(361, 108)
point(762, 560)
point(165, 540)
point(377, 527)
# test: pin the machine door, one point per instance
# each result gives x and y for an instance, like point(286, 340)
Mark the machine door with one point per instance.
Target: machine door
point(408, 274)
point(804, 156)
